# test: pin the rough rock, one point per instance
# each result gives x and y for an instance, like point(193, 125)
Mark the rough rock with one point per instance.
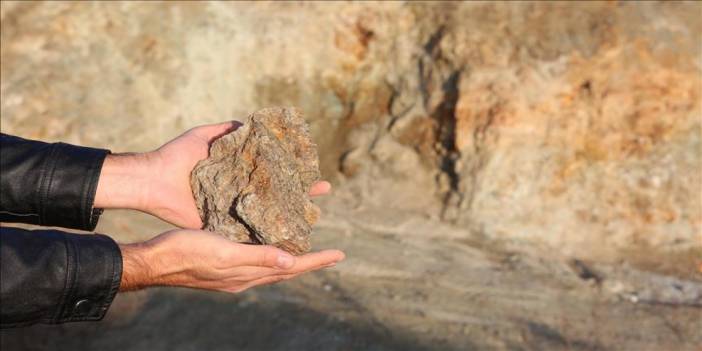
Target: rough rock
point(254, 186)
point(568, 126)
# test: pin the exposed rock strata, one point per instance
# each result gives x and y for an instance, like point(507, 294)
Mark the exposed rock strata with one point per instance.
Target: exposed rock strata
point(573, 125)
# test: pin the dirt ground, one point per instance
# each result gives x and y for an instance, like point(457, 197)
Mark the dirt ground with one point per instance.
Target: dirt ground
point(409, 283)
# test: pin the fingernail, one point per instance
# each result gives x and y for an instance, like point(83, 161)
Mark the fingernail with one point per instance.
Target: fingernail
point(285, 261)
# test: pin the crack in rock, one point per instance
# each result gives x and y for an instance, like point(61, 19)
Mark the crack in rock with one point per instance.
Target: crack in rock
point(253, 188)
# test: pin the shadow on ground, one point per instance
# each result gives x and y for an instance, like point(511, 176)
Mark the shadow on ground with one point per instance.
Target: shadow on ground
point(193, 320)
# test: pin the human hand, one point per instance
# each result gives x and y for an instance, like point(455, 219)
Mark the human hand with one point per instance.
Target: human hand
point(158, 182)
point(205, 260)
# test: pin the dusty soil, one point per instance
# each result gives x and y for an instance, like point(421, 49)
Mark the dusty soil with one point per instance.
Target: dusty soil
point(409, 283)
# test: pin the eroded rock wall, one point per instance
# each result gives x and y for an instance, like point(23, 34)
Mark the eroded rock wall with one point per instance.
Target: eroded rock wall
point(576, 125)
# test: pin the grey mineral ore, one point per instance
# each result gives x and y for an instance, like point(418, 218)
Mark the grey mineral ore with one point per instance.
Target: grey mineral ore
point(254, 186)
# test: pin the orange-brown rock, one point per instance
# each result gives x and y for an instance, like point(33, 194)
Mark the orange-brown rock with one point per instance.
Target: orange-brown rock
point(254, 186)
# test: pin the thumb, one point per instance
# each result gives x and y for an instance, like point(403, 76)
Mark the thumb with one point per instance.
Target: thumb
point(211, 132)
point(266, 256)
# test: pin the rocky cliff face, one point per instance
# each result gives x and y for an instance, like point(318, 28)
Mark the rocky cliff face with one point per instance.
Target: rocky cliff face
point(522, 176)
point(572, 125)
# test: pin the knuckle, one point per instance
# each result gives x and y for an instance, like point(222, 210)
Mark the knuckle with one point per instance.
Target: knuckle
point(222, 258)
point(269, 256)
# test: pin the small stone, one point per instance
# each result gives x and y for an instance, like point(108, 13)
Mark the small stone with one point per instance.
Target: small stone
point(253, 188)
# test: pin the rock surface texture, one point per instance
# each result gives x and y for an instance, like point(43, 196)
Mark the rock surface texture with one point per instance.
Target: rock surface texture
point(475, 149)
point(573, 125)
point(254, 186)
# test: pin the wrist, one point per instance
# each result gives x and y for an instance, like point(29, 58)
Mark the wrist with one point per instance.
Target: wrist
point(137, 271)
point(155, 262)
point(125, 181)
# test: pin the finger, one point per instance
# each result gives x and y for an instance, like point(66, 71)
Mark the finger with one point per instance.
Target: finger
point(271, 280)
point(315, 260)
point(237, 287)
point(275, 278)
point(320, 188)
point(264, 256)
point(211, 132)
point(251, 273)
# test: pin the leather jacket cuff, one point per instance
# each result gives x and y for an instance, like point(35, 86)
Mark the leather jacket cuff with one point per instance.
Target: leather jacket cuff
point(94, 275)
point(67, 190)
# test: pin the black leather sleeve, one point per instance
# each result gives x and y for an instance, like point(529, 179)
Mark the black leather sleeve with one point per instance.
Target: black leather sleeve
point(47, 276)
point(53, 277)
point(49, 184)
